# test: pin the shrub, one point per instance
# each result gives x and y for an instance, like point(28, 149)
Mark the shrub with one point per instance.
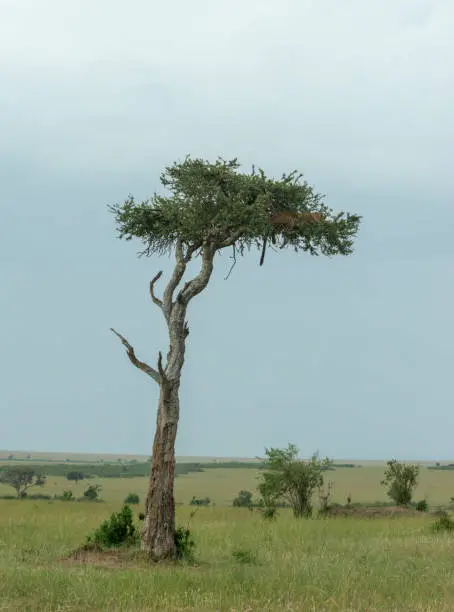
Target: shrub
point(206, 501)
point(422, 506)
point(92, 492)
point(76, 476)
point(243, 499)
point(132, 498)
point(443, 523)
point(184, 544)
point(118, 530)
point(67, 496)
point(401, 479)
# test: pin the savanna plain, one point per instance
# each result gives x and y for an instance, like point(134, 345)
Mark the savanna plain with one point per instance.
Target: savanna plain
point(242, 561)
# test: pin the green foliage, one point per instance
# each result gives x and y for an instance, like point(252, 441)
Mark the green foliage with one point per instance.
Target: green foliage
point(67, 496)
point(243, 499)
point(118, 530)
point(132, 498)
point(204, 501)
point(22, 478)
point(269, 513)
point(401, 480)
point(244, 556)
point(92, 492)
point(75, 475)
point(184, 544)
point(443, 523)
point(438, 466)
point(422, 506)
point(285, 477)
point(215, 203)
point(116, 470)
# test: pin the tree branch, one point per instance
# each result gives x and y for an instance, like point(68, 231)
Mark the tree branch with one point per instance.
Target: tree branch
point(231, 240)
point(177, 275)
point(234, 262)
point(156, 376)
point(156, 300)
point(199, 282)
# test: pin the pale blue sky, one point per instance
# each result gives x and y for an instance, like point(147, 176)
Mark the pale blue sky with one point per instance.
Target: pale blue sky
point(351, 356)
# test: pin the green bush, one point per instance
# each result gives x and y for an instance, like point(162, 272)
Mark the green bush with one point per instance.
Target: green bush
point(422, 506)
point(76, 476)
point(92, 492)
point(185, 544)
point(243, 499)
point(132, 498)
point(205, 501)
point(67, 496)
point(443, 523)
point(118, 530)
point(401, 480)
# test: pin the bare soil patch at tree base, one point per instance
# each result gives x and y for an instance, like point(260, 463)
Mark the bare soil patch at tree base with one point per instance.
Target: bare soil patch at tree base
point(130, 558)
point(114, 558)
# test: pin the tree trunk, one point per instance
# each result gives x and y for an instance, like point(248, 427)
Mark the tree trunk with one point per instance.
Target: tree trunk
point(158, 532)
point(159, 522)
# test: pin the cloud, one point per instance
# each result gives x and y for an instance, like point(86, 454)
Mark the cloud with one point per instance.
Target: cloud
point(359, 87)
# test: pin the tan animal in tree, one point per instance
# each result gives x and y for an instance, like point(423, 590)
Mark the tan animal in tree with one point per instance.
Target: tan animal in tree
point(288, 220)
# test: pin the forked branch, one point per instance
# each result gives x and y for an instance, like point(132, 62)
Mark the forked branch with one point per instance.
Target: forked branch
point(156, 300)
point(155, 375)
point(200, 281)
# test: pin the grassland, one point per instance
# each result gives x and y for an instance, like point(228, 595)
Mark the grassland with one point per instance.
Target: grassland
point(333, 564)
point(223, 484)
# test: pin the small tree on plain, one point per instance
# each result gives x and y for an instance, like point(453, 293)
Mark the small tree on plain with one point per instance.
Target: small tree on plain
point(243, 499)
point(92, 492)
point(291, 479)
point(22, 478)
point(76, 476)
point(210, 207)
point(401, 480)
point(132, 498)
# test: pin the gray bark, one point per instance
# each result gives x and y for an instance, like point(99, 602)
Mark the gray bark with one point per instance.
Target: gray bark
point(159, 522)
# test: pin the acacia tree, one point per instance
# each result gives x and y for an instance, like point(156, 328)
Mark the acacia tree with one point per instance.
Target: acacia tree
point(22, 478)
point(401, 479)
point(209, 207)
point(291, 479)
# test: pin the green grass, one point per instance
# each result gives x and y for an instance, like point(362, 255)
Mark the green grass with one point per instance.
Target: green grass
point(223, 485)
point(338, 564)
point(244, 563)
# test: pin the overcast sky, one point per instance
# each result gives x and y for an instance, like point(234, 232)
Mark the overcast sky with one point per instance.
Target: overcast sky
point(351, 356)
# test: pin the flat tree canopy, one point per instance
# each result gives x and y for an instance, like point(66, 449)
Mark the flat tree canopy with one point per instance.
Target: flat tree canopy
point(215, 203)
